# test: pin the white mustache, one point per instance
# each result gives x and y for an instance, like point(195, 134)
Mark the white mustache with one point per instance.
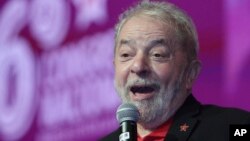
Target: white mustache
point(142, 82)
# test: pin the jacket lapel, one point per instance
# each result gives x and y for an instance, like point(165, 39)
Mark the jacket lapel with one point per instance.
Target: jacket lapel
point(185, 121)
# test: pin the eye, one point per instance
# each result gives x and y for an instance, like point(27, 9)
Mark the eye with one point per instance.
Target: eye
point(160, 56)
point(124, 55)
point(157, 55)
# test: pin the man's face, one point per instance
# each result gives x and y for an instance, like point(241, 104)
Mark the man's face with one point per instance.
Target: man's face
point(149, 68)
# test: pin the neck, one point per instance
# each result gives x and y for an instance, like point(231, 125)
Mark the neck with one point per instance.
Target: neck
point(142, 131)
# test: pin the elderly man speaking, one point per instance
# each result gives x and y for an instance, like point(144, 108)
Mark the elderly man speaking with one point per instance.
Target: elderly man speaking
point(156, 63)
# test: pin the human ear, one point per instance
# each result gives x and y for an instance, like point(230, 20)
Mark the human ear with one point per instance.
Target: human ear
point(192, 73)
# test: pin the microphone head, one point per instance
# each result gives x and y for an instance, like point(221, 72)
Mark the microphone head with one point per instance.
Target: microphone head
point(127, 111)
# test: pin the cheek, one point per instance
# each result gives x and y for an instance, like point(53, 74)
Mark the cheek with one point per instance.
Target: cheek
point(164, 72)
point(121, 74)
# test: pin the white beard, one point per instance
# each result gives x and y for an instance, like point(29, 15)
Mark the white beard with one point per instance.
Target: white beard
point(156, 110)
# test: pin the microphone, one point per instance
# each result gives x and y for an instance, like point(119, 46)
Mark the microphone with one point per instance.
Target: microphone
point(127, 115)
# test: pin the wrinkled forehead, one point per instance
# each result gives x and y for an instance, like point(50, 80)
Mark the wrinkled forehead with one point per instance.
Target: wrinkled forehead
point(142, 29)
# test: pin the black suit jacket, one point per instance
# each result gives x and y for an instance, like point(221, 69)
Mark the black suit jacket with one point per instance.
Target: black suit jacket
point(205, 123)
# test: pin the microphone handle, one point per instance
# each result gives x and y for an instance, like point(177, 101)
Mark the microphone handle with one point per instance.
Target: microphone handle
point(128, 131)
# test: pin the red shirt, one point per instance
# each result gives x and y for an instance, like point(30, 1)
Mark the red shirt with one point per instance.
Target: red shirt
point(158, 134)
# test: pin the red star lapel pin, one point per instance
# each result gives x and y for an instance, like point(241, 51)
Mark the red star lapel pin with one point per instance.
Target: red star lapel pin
point(184, 127)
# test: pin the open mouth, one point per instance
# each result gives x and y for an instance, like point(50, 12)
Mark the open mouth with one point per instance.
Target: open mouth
point(143, 89)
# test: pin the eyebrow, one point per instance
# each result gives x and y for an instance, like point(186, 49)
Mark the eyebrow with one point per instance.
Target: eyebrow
point(127, 42)
point(153, 43)
point(157, 42)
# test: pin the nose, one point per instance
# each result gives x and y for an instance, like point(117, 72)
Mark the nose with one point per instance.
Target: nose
point(140, 65)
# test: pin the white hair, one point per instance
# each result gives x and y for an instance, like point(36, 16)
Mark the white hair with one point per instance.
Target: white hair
point(170, 14)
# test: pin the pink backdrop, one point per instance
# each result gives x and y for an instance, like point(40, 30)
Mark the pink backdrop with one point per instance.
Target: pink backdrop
point(56, 73)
